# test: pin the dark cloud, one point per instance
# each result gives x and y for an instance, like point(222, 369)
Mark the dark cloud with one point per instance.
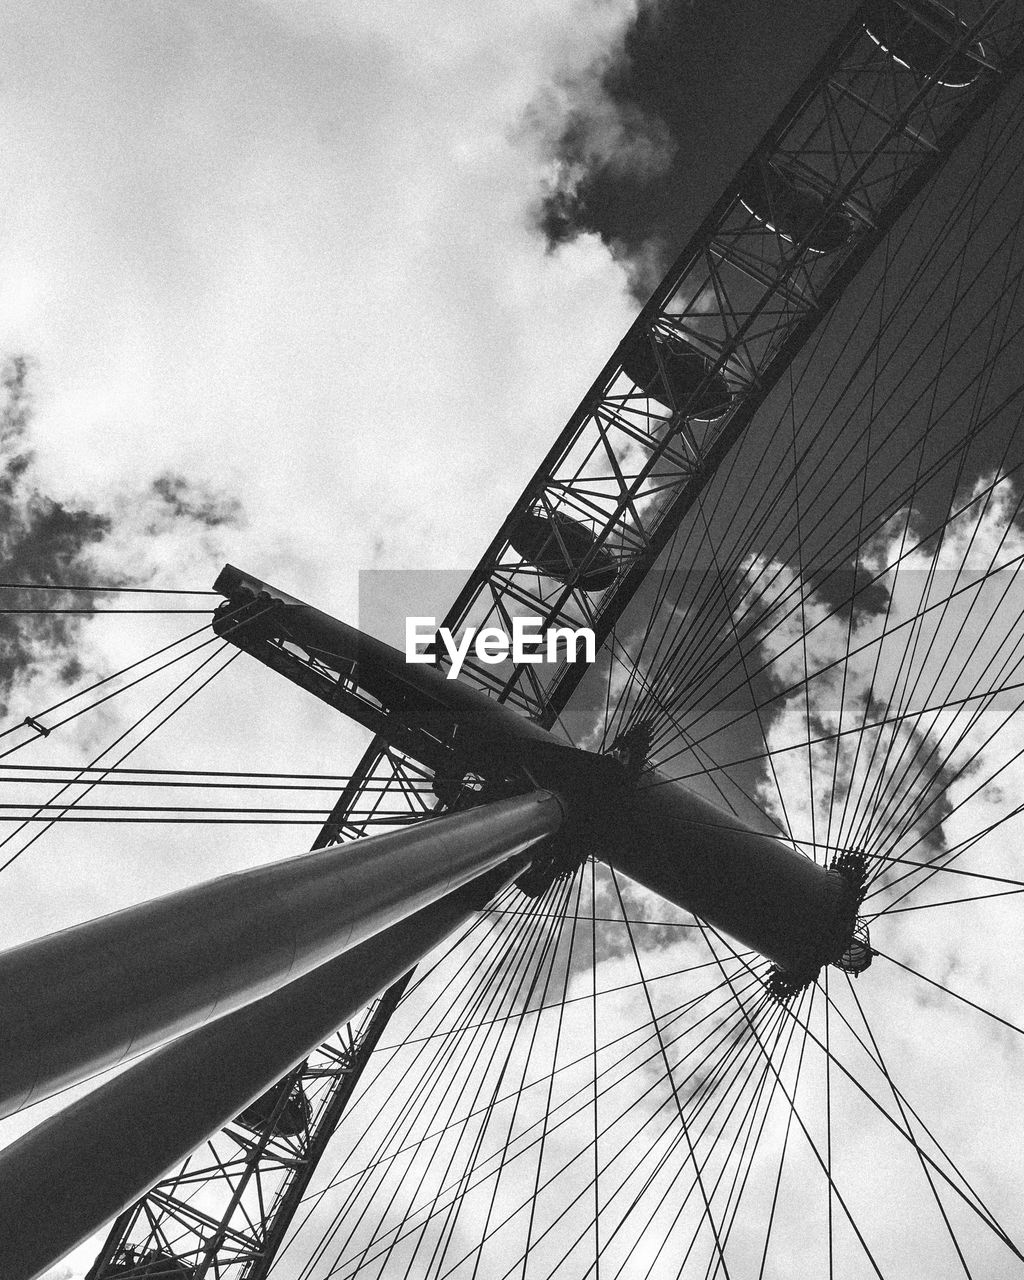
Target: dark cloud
point(41, 541)
point(185, 499)
point(644, 143)
point(44, 541)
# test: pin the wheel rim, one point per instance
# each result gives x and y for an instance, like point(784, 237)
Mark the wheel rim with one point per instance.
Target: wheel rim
point(831, 647)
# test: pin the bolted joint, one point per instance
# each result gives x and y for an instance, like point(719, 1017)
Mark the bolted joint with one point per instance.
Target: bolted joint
point(595, 787)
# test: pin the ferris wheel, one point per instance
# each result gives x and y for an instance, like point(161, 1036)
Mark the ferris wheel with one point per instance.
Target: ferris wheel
point(745, 1004)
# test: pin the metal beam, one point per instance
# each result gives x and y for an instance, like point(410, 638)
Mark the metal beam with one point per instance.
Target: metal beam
point(86, 998)
point(414, 707)
point(751, 886)
point(745, 882)
point(64, 1179)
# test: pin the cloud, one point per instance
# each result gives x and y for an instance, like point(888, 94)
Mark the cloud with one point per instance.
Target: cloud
point(280, 257)
point(288, 255)
point(199, 503)
point(41, 541)
point(607, 148)
point(939, 624)
point(49, 542)
point(635, 153)
point(593, 140)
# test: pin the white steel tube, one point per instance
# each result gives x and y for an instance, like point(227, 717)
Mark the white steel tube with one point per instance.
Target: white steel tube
point(86, 998)
point(61, 1181)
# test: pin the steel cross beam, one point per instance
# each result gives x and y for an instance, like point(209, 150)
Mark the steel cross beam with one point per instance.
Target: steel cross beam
point(628, 467)
point(747, 883)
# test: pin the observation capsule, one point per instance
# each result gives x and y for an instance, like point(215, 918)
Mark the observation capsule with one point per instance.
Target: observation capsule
point(292, 1118)
point(794, 212)
point(678, 376)
point(558, 546)
point(919, 34)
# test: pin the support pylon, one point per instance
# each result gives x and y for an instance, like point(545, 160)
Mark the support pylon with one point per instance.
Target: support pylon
point(64, 1179)
point(88, 997)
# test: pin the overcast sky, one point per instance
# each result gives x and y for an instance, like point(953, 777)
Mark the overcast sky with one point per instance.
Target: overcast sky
point(310, 287)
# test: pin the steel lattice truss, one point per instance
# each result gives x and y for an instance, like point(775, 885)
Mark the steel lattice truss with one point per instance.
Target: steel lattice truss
point(865, 134)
